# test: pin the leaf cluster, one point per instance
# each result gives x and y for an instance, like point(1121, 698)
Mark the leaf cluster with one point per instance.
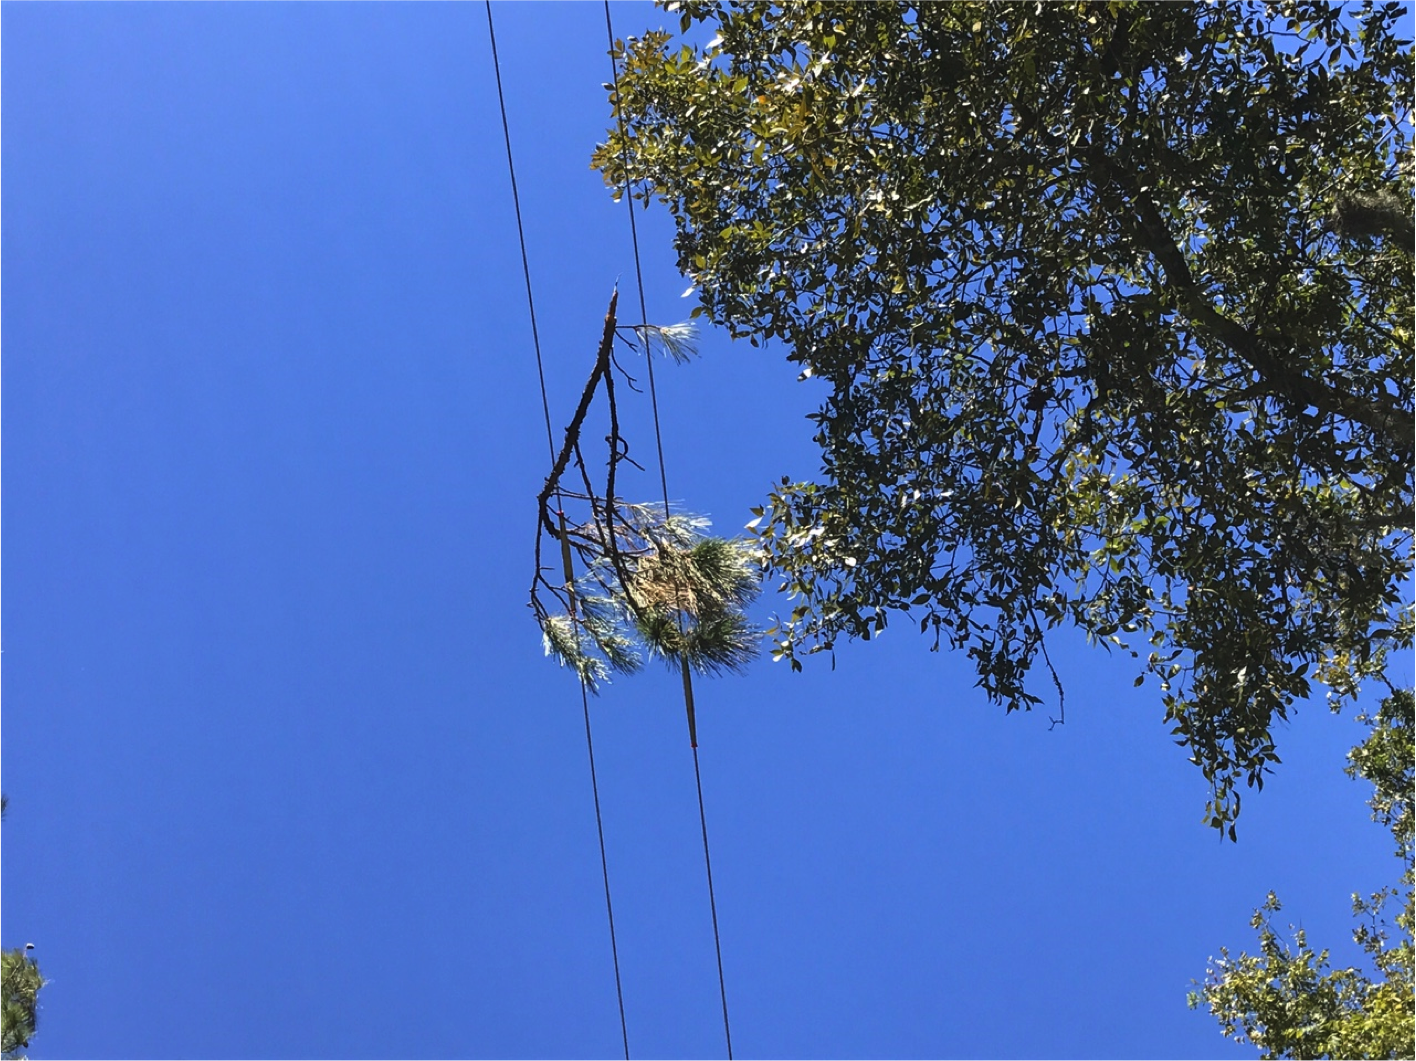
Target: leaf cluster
point(18, 1001)
point(1286, 999)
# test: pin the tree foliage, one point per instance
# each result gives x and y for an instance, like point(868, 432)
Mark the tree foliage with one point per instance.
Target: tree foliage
point(1286, 1000)
point(19, 990)
point(19, 1005)
point(1113, 306)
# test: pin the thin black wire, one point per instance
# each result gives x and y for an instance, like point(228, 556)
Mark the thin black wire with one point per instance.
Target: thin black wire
point(604, 863)
point(638, 275)
point(712, 906)
point(664, 483)
point(521, 234)
point(550, 444)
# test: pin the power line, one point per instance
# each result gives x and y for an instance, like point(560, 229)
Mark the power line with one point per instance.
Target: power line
point(712, 905)
point(550, 445)
point(521, 235)
point(604, 863)
point(664, 483)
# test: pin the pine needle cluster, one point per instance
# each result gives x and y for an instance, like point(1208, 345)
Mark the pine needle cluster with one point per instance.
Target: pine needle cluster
point(659, 588)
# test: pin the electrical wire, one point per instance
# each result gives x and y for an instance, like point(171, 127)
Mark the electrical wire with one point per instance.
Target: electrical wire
point(664, 483)
point(521, 235)
point(550, 444)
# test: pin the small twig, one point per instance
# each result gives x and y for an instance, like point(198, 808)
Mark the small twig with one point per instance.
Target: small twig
point(1061, 718)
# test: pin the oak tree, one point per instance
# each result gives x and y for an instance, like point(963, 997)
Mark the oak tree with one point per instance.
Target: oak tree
point(1112, 303)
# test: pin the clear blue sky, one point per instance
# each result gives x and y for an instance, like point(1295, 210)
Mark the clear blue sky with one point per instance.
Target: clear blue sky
point(289, 775)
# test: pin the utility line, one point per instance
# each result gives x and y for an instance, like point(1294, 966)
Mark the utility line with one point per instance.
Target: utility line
point(521, 235)
point(664, 483)
point(550, 445)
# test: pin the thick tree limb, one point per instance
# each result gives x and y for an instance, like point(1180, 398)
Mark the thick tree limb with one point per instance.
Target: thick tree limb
point(1393, 425)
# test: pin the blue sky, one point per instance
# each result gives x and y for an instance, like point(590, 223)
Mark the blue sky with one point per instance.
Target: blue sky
point(289, 774)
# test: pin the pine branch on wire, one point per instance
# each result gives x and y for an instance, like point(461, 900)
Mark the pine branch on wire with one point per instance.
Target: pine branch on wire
point(653, 582)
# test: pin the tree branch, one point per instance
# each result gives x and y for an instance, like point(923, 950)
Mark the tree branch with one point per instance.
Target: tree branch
point(572, 433)
point(1393, 425)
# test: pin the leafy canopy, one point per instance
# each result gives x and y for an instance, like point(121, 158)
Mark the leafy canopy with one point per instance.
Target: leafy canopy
point(1113, 303)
